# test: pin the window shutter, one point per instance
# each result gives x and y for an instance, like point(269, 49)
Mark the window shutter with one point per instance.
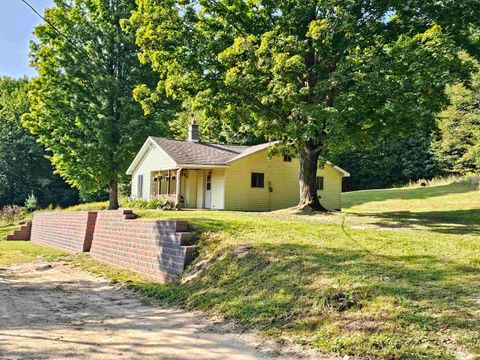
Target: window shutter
point(319, 183)
point(140, 186)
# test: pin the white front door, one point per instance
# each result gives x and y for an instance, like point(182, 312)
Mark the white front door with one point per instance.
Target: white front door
point(208, 191)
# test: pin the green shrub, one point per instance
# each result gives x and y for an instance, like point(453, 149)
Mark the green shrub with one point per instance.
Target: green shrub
point(156, 203)
point(137, 204)
point(160, 202)
point(31, 202)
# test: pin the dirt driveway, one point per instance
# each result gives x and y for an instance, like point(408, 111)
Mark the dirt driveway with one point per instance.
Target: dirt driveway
point(60, 312)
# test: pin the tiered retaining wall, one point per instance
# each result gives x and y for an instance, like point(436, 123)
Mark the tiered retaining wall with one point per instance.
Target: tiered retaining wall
point(70, 231)
point(158, 249)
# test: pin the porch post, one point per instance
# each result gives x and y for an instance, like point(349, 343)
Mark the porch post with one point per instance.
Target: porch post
point(178, 189)
point(168, 184)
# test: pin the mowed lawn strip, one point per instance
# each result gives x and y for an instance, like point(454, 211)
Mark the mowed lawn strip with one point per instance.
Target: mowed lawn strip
point(6, 230)
point(447, 207)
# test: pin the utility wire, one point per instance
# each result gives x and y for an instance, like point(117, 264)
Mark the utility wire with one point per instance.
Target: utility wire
point(76, 47)
point(70, 41)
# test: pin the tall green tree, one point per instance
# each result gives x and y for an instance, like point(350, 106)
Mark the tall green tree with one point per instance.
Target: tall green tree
point(83, 108)
point(319, 76)
point(458, 145)
point(23, 166)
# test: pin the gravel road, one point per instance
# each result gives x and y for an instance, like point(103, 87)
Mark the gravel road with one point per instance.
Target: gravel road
point(57, 312)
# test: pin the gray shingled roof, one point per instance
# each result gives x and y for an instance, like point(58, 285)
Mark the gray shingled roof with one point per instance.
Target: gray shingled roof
point(188, 153)
point(200, 153)
point(251, 150)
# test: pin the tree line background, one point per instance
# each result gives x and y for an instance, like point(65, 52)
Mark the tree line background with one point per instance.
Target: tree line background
point(390, 92)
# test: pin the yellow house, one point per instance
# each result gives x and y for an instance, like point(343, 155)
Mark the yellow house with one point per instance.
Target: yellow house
point(230, 177)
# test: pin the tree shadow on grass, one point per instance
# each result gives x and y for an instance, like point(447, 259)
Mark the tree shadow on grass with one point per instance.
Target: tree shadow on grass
point(281, 285)
point(465, 222)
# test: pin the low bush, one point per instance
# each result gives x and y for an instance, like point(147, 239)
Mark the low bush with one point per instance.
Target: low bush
point(12, 214)
point(475, 181)
point(137, 204)
point(159, 202)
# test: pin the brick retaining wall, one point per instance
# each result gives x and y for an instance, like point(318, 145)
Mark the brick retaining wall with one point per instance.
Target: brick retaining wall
point(68, 231)
point(158, 249)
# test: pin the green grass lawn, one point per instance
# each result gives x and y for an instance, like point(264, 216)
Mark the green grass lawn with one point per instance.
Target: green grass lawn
point(341, 282)
point(18, 252)
point(389, 294)
point(7, 230)
point(446, 208)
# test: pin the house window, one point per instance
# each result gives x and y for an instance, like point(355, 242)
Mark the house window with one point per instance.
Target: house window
point(258, 180)
point(140, 186)
point(287, 158)
point(319, 183)
point(209, 181)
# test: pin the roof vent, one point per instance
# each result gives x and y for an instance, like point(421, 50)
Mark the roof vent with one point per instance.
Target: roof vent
point(193, 131)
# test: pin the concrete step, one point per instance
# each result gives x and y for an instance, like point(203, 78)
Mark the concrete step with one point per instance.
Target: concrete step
point(181, 225)
point(21, 234)
point(185, 238)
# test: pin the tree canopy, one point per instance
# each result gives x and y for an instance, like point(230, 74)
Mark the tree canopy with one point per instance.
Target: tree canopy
point(83, 109)
point(458, 146)
point(320, 76)
point(389, 162)
point(23, 166)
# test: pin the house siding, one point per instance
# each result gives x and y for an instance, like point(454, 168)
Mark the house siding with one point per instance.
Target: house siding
point(239, 195)
point(200, 189)
point(191, 189)
point(153, 160)
point(231, 187)
point(282, 177)
point(331, 196)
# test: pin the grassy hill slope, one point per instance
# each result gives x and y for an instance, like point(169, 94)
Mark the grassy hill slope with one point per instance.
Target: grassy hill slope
point(340, 282)
point(396, 275)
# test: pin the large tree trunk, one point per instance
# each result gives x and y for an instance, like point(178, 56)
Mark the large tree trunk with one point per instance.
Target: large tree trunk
point(113, 195)
point(308, 180)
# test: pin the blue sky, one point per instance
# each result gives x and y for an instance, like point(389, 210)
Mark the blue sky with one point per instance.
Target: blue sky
point(16, 25)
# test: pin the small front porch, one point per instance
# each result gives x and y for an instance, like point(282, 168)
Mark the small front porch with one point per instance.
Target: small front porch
point(191, 188)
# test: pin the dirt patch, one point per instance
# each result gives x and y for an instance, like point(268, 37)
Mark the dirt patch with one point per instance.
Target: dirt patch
point(55, 312)
point(362, 325)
